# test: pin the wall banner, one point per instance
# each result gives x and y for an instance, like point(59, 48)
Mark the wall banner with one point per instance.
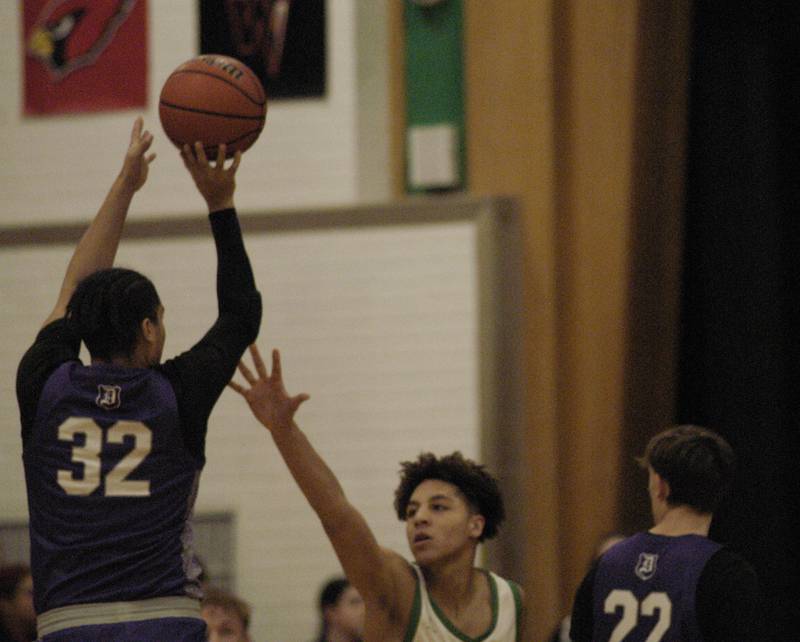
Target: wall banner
point(84, 55)
point(282, 41)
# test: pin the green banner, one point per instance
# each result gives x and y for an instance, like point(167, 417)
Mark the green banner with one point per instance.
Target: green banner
point(435, 147)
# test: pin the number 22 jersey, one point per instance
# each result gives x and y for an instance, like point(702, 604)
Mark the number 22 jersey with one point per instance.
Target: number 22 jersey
point(658, 588)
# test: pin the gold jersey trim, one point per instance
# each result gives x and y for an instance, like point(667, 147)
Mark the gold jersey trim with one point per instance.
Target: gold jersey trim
point(67, 617)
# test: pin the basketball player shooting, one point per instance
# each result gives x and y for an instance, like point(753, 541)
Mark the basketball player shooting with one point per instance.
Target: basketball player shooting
point(113, 449)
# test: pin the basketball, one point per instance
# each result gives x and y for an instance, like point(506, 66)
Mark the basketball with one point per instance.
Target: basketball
point(213, 99)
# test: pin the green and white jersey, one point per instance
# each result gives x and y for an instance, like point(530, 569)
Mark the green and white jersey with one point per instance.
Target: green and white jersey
point(429, 624)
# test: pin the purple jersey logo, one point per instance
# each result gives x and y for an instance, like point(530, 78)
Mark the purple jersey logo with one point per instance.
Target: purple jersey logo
point(646, 566)
point(108, 397)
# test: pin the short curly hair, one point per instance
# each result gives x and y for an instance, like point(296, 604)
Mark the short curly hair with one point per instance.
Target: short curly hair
point(480, 489)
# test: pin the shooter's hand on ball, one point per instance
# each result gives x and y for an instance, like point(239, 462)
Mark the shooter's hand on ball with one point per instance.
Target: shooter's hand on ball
point(215, 182)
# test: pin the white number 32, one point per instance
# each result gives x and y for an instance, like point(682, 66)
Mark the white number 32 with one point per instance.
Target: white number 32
point(117, 482)
point(627, 601)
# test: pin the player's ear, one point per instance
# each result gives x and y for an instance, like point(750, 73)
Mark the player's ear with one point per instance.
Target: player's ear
point(663, 490)
point(476, 524)
point(148, 330)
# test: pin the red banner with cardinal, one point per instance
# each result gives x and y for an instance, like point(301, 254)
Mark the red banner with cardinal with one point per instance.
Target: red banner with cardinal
point(84, 55)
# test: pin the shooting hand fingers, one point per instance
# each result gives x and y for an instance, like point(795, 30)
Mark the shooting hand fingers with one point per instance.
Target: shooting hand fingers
point(200, 153)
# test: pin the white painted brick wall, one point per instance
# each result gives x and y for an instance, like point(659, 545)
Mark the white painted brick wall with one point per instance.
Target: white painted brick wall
point(378, 325)
point(312, 152)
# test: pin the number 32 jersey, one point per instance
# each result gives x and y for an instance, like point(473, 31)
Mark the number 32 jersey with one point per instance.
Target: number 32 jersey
point(111, 487)
point(113, 455)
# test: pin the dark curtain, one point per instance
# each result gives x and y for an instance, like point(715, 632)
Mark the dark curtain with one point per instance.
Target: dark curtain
point(739, 371)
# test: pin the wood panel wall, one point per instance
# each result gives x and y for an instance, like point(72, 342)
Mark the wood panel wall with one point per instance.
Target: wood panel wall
point(578, 109)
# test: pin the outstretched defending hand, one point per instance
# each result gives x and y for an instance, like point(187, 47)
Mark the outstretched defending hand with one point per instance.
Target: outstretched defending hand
point(137, 162)
point(216, 183)
point(267, 396)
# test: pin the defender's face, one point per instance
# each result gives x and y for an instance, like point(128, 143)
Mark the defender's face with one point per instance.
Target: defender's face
point(439, 523)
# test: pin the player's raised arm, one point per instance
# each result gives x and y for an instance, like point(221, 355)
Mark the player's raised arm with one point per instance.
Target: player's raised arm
point(374, 571)
point(98, 245)
point(238, 299)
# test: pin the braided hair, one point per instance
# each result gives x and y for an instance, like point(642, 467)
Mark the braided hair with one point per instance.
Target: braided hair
point(107, 308)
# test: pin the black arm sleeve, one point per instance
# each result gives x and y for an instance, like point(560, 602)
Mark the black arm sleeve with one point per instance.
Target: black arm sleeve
point(200, 375)
point(235, 282)
point(581, 625)
point(728, 600)
point(54, 345)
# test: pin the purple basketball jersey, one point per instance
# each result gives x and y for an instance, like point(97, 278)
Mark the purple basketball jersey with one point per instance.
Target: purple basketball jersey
point(645, 588)
point(110, 489)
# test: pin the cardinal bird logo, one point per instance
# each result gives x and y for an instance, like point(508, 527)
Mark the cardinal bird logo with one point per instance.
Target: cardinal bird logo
point(70, 34)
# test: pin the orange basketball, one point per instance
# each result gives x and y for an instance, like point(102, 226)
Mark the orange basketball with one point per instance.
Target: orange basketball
point(213, 99)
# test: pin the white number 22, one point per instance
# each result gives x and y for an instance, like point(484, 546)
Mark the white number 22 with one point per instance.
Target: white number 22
point(626, 600)
point(88, 455)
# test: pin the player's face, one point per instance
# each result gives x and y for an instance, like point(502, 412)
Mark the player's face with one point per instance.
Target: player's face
point(439, 522)
point(223, 626)
point(347, 616)
point(156, 346)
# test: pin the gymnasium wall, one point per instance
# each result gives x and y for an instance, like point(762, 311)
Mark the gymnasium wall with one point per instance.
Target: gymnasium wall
point(61, 166)
point(392, 319)
point(575, 108)
point(578, 110)
point(313, 153)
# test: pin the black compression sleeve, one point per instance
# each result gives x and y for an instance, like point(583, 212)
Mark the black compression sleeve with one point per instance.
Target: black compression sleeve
point(234, 273)
point(54, 345)
point(199, 375)
point(728, 600)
